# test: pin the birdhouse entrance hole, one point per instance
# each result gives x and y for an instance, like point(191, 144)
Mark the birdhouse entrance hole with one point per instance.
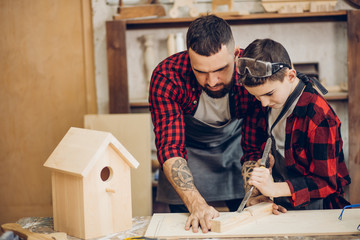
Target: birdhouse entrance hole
point(106, 174)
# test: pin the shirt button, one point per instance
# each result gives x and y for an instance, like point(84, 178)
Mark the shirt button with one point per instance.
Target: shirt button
point(195, 102)
point(193, 89)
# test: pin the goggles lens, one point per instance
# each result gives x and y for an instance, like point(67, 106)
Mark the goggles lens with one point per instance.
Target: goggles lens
point(258, 68)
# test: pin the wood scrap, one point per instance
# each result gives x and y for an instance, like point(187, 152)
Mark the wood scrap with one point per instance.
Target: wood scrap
point(216, 3)
point(298, 6)
point(141, 11)
point(24, 233)
point(232, 220)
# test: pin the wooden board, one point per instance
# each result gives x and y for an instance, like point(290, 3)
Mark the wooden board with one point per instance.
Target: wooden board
point(46, 86)
point(133, 131)
point(117, 66)
point(293, 223)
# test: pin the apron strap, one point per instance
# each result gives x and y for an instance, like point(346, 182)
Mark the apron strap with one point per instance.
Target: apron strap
point(296, 93)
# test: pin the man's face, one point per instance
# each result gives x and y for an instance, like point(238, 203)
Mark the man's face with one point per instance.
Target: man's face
point(274, 93)
point(214, 73)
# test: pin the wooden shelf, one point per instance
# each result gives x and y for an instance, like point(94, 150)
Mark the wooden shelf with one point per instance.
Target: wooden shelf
point(337, 96)
point(241, 19)
point(139, 104)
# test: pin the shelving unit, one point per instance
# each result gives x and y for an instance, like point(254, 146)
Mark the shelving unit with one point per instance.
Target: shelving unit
point(118, 76)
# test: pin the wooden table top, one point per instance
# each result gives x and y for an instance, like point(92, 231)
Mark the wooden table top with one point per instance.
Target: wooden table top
point(140, 224)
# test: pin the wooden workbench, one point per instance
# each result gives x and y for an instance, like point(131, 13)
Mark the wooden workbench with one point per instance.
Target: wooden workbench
point(140, 224)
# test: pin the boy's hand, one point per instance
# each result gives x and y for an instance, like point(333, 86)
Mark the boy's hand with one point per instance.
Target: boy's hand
point(261, 178)
point(277, 209)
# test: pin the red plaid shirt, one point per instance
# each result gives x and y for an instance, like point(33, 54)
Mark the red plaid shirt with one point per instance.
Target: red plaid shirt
point(314, 156)
point(174, 91)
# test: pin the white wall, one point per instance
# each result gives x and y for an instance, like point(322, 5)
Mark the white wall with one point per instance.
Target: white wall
point(322, 42)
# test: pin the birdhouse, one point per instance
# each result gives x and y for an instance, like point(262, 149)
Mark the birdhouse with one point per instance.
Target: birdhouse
point(91, 189)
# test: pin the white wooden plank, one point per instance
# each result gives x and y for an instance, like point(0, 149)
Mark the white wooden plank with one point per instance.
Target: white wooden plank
point(292, 223)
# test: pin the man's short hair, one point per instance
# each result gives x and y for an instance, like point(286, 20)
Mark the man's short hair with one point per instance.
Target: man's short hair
point(207, 34)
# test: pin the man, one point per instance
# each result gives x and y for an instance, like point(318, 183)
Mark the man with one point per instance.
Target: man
point(199, 111)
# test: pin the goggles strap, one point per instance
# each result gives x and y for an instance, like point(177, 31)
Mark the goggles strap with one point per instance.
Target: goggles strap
point(314, 81)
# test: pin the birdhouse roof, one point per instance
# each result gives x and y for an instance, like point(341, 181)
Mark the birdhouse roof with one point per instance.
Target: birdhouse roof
point(80, 149)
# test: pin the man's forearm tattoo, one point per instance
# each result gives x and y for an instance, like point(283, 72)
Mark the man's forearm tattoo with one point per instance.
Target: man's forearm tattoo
point(181, 174)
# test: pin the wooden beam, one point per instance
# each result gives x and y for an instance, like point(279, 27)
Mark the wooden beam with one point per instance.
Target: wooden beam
point(89, 58)
point(117, 67)
point(229, 221)
point(353, 30)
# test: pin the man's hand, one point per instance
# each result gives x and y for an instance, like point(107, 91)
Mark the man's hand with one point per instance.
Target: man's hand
point(200, 215)
point(179, 175)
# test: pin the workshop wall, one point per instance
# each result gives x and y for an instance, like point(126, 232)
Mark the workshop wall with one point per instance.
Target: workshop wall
point(324, 43)
point(46, 87)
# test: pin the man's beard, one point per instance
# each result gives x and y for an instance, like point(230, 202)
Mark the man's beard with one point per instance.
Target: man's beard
point(221, 93)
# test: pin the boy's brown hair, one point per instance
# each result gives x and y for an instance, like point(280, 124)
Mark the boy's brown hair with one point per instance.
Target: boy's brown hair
point(266, 50)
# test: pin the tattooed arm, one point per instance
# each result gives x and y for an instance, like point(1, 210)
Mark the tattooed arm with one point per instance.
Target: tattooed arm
point(179, 175)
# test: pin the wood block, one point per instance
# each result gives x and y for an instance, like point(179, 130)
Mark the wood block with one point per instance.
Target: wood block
point(140, 11)
point(227, 222)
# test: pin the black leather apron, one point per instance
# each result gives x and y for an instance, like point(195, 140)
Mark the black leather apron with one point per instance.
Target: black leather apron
point(214, 155)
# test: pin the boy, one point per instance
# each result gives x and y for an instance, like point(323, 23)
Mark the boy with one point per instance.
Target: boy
point(308, 169)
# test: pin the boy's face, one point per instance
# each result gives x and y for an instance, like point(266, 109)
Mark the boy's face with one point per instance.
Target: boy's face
point(214, 73)
point(275, 93)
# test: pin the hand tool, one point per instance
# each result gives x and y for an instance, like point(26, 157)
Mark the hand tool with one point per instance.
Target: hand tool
point(28, 235)
point(264, 158)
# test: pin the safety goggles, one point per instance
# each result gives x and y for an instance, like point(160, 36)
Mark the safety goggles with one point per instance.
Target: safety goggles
point(258, 68)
